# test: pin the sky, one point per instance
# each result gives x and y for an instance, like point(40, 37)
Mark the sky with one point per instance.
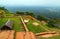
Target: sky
point(29, 2)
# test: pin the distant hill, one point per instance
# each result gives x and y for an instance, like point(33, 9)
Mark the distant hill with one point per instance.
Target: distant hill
point(51, 12)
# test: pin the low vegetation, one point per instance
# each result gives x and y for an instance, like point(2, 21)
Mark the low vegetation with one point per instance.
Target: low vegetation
point(44, 24)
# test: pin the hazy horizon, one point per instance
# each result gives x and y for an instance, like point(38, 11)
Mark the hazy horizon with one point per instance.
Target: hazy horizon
point(47, 3)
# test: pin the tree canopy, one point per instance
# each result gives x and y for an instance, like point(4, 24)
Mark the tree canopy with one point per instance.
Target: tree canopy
point(40, 17)
point(30, 13)
point(20, 13)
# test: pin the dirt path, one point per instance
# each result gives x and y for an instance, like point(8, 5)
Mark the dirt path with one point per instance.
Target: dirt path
point(27, 35)
point(26, 29)
point(47, 34)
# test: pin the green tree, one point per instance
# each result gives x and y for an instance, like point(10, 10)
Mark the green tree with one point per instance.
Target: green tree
point(40, 17)
point(20, 13)
point(30, 13)
point(4, 9)
point(53, 23)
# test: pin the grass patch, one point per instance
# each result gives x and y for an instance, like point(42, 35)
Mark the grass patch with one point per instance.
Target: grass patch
point(2, 21)
point(35, 29)
point(32, 28)
point(17, 25)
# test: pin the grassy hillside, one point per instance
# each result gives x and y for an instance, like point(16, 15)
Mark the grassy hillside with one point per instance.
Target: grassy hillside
point(41, 27)
point(17, 24)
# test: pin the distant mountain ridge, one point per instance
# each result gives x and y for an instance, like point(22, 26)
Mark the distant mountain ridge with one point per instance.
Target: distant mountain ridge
point(52, 12)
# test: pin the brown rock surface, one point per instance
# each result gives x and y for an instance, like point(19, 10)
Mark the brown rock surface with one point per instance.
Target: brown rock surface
point(11, 36)
point(32, 35)
point(27, 35)
point(4, 34)
point(19, 35)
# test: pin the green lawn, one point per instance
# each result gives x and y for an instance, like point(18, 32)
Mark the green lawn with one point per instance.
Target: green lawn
point(2, 21)
point(46, 26)
point(32, 28)
point(17, 25)
point(35, 29)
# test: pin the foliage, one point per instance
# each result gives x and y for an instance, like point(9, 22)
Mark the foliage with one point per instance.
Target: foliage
point(3, 8)
point(30, 13)
point(40, 17)
point(20, 13)
point(53, 23)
